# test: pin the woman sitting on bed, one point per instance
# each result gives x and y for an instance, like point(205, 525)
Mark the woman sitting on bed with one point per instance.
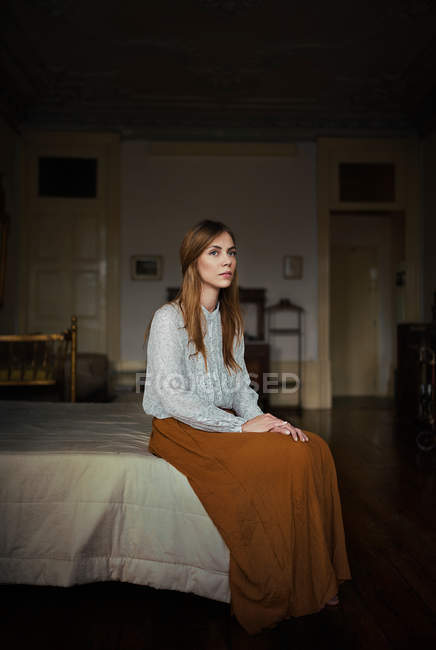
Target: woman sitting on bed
point(269, 487)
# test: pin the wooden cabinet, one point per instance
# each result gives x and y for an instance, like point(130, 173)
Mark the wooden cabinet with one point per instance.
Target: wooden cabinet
point(415, 387)
point(286, 305)
point(257, 362)
point(411, 373)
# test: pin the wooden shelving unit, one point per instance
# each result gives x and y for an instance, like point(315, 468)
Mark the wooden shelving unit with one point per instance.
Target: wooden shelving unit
point(286, 305)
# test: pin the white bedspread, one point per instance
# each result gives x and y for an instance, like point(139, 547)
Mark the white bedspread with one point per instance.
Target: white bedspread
point(83, 500)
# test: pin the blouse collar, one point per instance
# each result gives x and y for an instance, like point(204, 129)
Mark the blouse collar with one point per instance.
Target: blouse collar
point(211, 314)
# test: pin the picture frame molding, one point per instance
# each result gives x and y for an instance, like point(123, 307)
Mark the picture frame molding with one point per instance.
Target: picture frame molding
point(293, 267)
point(155, 259)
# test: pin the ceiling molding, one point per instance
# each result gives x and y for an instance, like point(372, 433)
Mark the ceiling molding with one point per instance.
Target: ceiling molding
point(230, 6)
point(211, 148)
point(246, 66)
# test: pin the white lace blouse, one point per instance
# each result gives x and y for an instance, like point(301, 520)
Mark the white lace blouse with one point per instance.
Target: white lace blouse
point(178, 386)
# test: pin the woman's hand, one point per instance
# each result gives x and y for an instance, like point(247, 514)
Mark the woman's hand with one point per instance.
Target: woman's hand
point(268, 422)
point(262, 423)
point(289, 429)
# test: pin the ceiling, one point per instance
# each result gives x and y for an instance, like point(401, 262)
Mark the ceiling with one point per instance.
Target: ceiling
point(257, 69)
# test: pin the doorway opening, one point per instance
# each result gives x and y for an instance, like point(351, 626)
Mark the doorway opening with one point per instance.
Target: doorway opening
point(366, 257)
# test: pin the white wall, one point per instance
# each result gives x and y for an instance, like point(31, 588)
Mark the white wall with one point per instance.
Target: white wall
point(270, 204)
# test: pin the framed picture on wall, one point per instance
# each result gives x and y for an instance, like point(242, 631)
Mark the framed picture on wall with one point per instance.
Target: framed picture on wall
point(146, 267)
point(293, 267)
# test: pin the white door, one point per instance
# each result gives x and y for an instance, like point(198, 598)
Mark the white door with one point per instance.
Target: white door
point(354, 318)
point(67, 237)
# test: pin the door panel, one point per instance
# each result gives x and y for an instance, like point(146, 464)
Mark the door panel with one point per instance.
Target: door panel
point(354, 320)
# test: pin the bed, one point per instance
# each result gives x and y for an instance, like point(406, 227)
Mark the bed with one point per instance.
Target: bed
point(40, 360)
point(83, 500)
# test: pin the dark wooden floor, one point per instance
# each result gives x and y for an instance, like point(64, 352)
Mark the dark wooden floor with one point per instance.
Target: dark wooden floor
point(388, 491)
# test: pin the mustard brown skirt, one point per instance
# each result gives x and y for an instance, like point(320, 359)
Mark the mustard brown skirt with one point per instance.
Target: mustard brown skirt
point(276, 504)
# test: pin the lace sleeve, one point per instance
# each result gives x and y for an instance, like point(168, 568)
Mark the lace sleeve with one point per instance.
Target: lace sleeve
point(245, 398)
point(167, 383)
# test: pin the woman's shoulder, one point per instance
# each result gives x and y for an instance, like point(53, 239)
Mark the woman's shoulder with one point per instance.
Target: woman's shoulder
point(169, 312)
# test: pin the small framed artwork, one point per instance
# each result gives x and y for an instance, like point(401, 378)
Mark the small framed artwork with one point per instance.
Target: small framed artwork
point(146, 267)
point(293, 267)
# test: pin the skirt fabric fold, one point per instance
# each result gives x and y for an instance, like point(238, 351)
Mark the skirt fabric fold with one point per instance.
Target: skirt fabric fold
point(276, 504)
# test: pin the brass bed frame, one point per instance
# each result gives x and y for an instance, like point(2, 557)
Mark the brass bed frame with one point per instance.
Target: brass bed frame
point(38, 359)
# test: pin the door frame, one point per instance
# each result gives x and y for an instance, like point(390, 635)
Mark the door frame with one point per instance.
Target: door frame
point(108, 145)
point(404, 154)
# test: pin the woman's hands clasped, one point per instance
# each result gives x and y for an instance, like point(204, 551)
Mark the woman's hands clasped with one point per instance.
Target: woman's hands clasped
point(268, 422)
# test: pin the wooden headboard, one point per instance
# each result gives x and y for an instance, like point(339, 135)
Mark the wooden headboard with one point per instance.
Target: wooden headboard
point(38, 359)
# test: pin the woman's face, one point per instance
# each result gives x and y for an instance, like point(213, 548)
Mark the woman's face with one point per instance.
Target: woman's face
point(217, 263)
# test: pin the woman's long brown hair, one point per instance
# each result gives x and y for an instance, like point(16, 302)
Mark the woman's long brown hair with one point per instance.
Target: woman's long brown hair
point(194, 243)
